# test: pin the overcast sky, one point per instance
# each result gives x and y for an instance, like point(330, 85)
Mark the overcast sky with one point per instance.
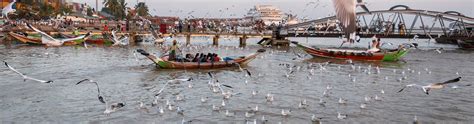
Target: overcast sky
point(210, 8)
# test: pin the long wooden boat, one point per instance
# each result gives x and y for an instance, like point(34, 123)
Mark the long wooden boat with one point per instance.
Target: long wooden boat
point(387, 55)
point(233, 61)
point(25, 39)
point(36, 41)
point(94, 39)
point(466, 44)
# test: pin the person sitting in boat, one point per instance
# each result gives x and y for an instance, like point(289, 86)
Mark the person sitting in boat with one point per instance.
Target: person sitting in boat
point(196, 58)
point(210, 57)
point(375, 45)
point(204, 58)
point(188, 58)
point(216, 58)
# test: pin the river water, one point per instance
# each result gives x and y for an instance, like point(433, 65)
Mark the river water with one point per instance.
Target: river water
point(124, 79)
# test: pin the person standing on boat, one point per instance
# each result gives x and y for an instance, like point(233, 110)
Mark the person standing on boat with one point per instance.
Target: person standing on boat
point(173, 50)
point(375, 47)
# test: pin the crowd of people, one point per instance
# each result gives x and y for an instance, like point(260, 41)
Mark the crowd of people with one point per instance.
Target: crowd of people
point(199, 57)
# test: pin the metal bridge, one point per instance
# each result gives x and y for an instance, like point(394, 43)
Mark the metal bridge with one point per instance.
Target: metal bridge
point(450, 23)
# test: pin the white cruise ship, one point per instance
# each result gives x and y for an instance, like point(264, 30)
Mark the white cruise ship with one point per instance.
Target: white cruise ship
point(269, 14)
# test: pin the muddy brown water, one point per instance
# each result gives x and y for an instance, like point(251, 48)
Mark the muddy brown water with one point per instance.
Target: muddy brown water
point(123, 79)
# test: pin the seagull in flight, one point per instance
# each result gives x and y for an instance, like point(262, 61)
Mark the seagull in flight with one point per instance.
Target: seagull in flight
point(8, 9)
point(439, 50)
point(50, 41)
point(173, 81)
point(109, 107)
point(24, 76)
point(101, 99)
point(158, 37)
point(119, 41)
point(346, 14)
point(427, 88)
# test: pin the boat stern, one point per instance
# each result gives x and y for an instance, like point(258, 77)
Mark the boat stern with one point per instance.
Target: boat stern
point(395, 56)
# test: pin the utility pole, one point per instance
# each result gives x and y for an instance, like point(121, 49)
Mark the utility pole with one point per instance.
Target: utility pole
point(97, 5)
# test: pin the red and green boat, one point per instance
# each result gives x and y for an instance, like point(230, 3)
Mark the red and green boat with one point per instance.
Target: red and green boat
point(232, 61)
point(384, 55)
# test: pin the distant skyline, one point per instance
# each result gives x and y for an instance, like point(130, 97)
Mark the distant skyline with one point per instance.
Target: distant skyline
point(210, 8)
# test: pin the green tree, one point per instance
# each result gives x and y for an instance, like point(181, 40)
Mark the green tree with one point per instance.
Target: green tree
point(89, 12)
point(123, 8)
point(116, 8)
point(65, 10)
point(141, 9)
point(46, 10)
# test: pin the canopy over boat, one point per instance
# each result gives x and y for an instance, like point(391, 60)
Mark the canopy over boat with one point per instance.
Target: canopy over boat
point(384, 55)
point(233, 61)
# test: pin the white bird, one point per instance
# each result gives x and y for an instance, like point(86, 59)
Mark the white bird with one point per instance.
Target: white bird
point(346, 14)
point(415, 37)
point(179, 110)
point(325, 93)
point(228, 114)
point(158, 38)
point(342, 101)
point(315, 120)
point(254, 93)
point(223, 103)
point(170, 107)
point(161, 110)
point(303, 104)
point(367, 99)
point(256, 109)
point(8, 9)
point(439, 50)
point(117, 41)
point(204, 99)
point(428, 87)
point(143, 107)
point(180, 97)
point(101, 99)
point(328, 87)
point(264, 120)
point(341, 116)
point(285, 113)
point(269, 97)
point(377, 98)
point(321, 102)
point(24, 76)
point(249, 114)
point(363, 106)
point(50, 41)
point(215, 108)
point(415, 120)
point(109, 108)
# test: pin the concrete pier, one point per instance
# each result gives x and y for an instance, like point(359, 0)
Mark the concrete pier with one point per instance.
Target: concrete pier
point(243, 41)
point(188, 38)
point(215, 40)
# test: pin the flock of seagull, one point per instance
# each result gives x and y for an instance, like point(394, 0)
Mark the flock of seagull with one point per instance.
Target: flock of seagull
point(345, 11)
point(160, 104)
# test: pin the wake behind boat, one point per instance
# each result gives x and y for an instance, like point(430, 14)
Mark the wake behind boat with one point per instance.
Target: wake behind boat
point(232, 61)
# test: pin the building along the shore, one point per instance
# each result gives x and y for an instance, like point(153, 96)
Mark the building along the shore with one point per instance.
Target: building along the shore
point(269, 14)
